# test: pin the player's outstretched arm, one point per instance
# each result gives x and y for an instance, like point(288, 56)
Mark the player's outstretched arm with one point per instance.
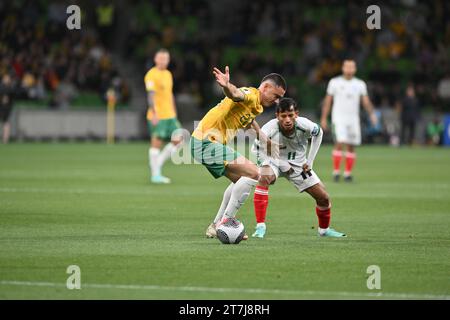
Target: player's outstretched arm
point(230, 90)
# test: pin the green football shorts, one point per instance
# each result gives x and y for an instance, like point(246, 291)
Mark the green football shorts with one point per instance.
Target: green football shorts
point(164, 128)
point(213, 155)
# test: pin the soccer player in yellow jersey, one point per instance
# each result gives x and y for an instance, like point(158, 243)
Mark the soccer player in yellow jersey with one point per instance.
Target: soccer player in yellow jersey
point(161, 115)
point(209, 140)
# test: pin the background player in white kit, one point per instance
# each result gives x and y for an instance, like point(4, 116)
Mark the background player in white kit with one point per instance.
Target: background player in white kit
point(346, 92)
point(291, 133)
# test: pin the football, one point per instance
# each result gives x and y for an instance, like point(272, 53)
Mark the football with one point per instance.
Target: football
point(231, 231)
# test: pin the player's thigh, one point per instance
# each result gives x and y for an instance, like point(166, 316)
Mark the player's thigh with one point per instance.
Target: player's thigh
point(156, 142)
point(215, 157)
point(241, 167)
point(267, 175)
point(302, 180)
point(176, 136)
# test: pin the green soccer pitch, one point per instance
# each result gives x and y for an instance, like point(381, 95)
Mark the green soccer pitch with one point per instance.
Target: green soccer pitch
point(92, 205)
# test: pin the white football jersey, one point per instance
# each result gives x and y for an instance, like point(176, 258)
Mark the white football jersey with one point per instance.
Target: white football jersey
point(292, 149)
point(346, 98)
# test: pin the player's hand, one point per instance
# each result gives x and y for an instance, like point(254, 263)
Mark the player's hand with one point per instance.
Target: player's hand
point(373, 119)
point(306, 167)
point(155, 120)
point(222, 78)
point(324, 125)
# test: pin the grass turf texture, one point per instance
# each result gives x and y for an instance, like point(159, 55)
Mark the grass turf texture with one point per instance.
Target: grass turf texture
point(92, 205)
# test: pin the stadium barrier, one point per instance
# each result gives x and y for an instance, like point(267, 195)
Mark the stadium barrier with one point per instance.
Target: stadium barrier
point(51, 124)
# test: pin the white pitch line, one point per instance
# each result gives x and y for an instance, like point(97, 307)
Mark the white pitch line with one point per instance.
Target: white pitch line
point(236, 290)
point(188, 193)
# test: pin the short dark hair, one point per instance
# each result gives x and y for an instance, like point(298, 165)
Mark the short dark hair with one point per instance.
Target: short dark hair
point(162, 50)
point(286, 105)
point(275, 78)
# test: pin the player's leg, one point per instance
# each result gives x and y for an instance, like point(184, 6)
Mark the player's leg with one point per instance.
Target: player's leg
point(244, 174)
point(211, 230)
point(153, 154)
point(175, 140)
point(338, 131)
point(350, 158)
point(261, 199)
point(353, 140)
point(323, 210)
point(6, 132)
point(337, 158)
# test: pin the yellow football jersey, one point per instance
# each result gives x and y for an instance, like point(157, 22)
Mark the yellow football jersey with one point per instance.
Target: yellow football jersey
point(161, 83)
point(223, 121)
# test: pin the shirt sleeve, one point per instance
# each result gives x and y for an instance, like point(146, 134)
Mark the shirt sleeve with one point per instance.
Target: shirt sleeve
point(363, 89)
point(149, 82)
point(249, 95)
point(308, 126)
point(331, 91)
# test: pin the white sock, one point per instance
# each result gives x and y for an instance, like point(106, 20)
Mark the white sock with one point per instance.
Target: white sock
point(239, 194)
point(225, 200)
point(261, 224)
point(322, 231)
point(166, 153)
point(153, 154)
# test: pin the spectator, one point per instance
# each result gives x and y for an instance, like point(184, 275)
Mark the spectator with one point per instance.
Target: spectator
point(7, 94)
point(435, 129)
point(409, 115)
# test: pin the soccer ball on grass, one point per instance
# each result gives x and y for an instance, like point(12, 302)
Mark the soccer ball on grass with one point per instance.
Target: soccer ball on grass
point(231, 231)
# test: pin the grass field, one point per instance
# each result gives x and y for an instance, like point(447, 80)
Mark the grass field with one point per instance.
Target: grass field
point(91, 205)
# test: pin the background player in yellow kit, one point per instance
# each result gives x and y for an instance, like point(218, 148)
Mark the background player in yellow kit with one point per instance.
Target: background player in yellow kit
point(161, 115)
point(208, 143)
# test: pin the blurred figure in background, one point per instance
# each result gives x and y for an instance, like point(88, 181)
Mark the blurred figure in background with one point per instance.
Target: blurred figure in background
point(435, 129)
point(409, 108)
point(7, 93)
point(161, 116)
point(346, 92)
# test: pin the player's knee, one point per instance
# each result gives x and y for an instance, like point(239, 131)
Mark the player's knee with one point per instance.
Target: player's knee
point(323, 199)
point(266, 180)
point(254, 174)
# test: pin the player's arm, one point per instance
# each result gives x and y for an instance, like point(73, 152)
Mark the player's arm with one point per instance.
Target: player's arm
point(368, 106)
point(272, 148)
point(316, 141)
point(151, 105)
point(149, 82)
point(174, 105)
point(230, 90)
point(326, 108)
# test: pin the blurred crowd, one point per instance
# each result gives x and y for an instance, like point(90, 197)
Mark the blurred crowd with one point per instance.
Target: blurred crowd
point(305, 41)
point(49, 63)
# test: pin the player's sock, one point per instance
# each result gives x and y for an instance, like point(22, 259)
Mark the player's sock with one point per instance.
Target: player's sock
point(153, 154)
point(260, 202)
point(166, 153)
point(337, 157)
point(225, 200)
point(324, 216)
point(350, 158)
point(239, 194)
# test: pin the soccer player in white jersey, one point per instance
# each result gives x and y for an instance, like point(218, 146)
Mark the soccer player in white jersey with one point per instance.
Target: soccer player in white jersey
point(345, 93)
point(291, 132)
